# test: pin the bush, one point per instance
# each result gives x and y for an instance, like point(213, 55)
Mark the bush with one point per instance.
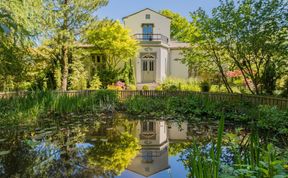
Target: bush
point(158, 88)
point(172, 88)
point(131, 87)
point(95, 83)
point(108, 76)
point(205, 86)
point(114, 87)
point(145, 87)
point(285, 89)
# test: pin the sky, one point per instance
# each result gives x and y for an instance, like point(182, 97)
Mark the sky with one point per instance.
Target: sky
point(116, 9)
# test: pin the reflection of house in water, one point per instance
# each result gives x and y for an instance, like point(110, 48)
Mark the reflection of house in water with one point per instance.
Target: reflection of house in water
point(154, 138)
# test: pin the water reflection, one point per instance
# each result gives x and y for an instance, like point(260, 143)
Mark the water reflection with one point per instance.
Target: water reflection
point(93, 147)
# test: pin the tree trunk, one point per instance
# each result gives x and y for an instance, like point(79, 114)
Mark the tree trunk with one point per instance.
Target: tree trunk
point(64, 59)
point(64, 68)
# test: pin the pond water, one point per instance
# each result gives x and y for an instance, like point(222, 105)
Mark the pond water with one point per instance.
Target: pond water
point(101, 146)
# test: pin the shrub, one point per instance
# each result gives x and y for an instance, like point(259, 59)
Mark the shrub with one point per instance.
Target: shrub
point(285, 89)
point(205, 86)
point(95, 83)
point(108, 76)
point(145, 87)
point(173, 88)
point(158, 88)
point(114, 87)
point(131, 87)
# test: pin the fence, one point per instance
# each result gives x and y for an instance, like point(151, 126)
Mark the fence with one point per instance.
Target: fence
point(281, 103)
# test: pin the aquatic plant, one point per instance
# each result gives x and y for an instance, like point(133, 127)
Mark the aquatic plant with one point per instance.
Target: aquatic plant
point(27, 109)
point(203, 165)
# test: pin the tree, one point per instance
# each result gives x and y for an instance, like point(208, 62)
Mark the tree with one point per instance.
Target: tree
point(18, 29)
point(68, 20)
point(181, 29)
point(250, 36)
point(110, 39)
point(254, 34)
point(205, 49)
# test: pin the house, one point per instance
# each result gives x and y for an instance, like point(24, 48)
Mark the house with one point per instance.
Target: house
point(154, 137)
point(159, 56)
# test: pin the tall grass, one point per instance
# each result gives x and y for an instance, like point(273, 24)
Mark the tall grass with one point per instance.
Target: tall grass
point(27, 109)
point(202, 165)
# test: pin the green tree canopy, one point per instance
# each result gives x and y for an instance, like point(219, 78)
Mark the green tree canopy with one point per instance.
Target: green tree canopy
point(111, 39)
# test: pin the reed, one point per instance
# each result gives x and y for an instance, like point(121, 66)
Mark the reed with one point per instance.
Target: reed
point(29, 108)
point(202, 165)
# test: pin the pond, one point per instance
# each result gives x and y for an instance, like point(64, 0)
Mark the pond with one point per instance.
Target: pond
point(103, 146)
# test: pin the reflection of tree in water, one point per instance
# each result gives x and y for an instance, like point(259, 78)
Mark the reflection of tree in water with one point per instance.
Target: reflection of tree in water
point(69, 151)
point(19, 158)
point(115, 154)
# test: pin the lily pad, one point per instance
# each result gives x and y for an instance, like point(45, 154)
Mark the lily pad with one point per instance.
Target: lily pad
point(2, 153)
point(2, 140)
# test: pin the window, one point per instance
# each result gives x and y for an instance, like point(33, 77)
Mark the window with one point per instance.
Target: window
point(151, 125)
point(147, 31)
point(148, 127)
point(98, 59)
point(151, 65)
point(147, 16)
point(145, 65)
point(147, 158)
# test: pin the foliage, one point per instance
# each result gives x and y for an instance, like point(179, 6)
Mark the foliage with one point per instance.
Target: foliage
point(248, 35)
point(158, 88)
point(192, 107)
point(285, 89)
point(201, 165)
point(95, 83)
point(111, 39)
point(131, 87)
point(181, 29)
point(145, 87)
point(28, 109)
point(108, 76)
point(78, 76)
point(205, 86)
point(115, 154)
point(19, 25)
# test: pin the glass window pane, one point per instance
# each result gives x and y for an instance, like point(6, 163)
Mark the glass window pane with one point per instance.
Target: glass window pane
point(147, 16)
point(145, 65)
point(144, 127)
point(151, 126)
point(151, 66)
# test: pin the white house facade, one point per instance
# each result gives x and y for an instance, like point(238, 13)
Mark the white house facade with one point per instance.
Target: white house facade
point(159, 56)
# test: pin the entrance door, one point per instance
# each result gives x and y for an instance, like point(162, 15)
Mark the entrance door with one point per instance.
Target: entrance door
point(148, 68)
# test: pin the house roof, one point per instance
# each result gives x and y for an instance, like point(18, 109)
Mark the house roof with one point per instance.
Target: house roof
point(144, 10)
point(149, 174)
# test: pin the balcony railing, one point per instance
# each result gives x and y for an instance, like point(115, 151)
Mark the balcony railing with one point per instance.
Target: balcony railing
point(151, 37)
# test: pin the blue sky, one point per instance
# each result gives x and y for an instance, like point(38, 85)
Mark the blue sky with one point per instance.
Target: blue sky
point(117, 9)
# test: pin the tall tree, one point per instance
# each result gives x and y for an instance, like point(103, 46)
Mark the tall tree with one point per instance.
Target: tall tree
point(18, 29)
point(205, 49)
point(68, 20)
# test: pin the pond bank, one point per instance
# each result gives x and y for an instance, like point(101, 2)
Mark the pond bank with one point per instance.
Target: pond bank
point(32, 107)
